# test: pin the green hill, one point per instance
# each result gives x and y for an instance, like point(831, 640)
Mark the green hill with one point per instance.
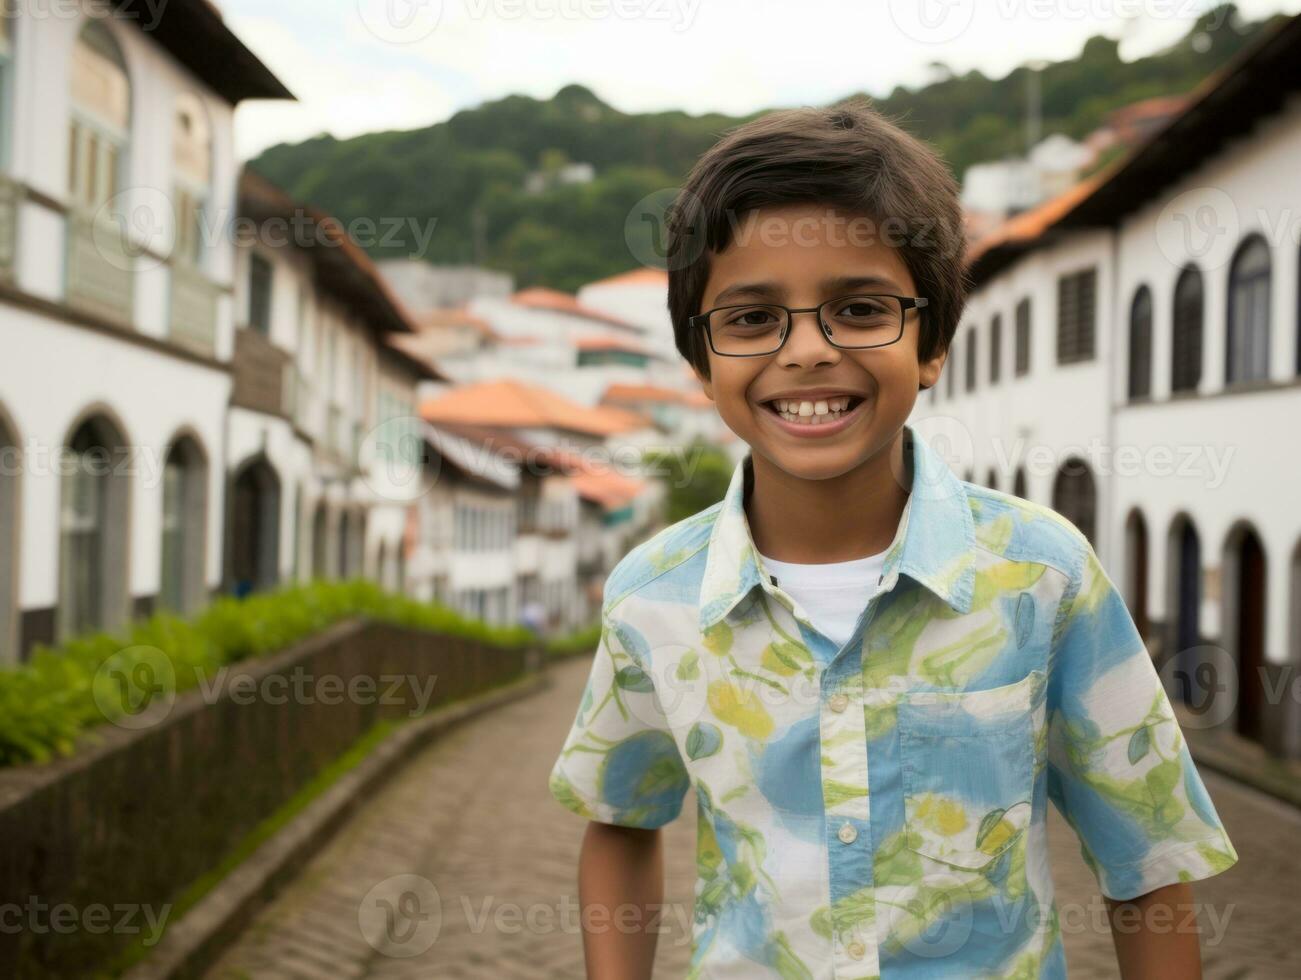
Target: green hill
point(468, 174)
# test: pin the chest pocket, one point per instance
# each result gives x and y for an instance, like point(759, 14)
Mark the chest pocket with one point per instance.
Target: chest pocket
point(968, 764)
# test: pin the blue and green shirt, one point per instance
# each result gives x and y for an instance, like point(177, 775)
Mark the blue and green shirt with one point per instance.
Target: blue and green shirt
point(879, 809)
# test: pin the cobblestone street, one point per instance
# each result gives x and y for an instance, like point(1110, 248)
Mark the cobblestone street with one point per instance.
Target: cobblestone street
point(471, 815)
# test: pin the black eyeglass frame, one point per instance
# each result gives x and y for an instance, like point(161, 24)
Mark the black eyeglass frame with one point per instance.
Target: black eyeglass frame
point(906, 303)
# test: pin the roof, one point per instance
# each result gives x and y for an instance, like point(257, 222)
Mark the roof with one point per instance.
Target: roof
point(193, 32)
point(457, 316)
point(645, 276)
point(606, 487)
point(1227, 104)
point(342, 269)
point(508, 403)
point(464, 456)
point(642, 393)
point(541, 298)
point(399, 348)
point(611, 343)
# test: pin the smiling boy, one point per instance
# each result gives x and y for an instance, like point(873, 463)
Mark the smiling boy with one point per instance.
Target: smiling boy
point(875, 676)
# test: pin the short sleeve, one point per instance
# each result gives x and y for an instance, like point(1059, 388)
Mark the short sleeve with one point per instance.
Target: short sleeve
point(619, 763)
point(1119, 769)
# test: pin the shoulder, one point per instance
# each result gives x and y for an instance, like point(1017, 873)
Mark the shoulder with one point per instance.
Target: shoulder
point(663, 552)
point(1017, 529)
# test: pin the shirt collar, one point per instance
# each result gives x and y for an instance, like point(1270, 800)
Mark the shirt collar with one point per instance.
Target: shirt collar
point(932, 545)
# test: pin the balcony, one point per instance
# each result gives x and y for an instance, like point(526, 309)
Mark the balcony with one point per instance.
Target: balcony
point(100, 263)
point(259, 369)
point(194, 309)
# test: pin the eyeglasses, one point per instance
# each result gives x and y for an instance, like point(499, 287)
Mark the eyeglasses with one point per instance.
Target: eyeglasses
point(848, 322)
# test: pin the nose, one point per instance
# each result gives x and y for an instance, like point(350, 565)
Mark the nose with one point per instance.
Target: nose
point(806, 345)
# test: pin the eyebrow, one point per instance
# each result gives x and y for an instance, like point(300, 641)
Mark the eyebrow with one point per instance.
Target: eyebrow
point(771, 290)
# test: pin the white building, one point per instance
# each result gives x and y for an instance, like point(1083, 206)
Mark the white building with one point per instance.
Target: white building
point(116, 310)
point(1130, 356)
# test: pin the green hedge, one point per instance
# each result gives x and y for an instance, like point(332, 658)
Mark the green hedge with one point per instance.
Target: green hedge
point(582, 641)
point(46, 703)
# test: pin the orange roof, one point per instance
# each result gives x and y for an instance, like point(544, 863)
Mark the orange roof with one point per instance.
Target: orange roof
point(610, 343)
point(541, 298)
point(457, 316)
point(1029, 225)
point(645, 276)
point(642, 393)
point(606, 487)
point(508, 403)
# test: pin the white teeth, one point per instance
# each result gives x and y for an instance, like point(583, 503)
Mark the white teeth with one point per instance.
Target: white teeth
point(812, 412)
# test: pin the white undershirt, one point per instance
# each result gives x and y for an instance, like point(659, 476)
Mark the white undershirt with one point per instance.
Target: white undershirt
point(833, 594)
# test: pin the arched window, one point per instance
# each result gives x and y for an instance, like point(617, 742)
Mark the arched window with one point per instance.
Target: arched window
point(972, 337)
point(1140, 344)
point(1019, 484)
point(192, 158)
point(10, 474)
point(948, 384)
point(1186, 346)
point(991, 479)
point(101, 117)
point(1075, 496)
point(93, 530)
point(345, 544)
point(184, 531)
point(1247, 346)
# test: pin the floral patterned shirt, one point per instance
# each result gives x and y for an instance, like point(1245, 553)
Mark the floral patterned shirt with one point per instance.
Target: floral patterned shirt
point(879, 809)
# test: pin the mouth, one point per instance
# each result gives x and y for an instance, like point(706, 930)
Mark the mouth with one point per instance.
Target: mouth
point(813, 413)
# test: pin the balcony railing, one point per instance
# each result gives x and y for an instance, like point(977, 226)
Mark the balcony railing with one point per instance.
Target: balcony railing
point(194, 309)
point(100, 267)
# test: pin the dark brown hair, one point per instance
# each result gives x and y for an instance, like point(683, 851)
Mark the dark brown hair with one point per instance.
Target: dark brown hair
point(847, 156)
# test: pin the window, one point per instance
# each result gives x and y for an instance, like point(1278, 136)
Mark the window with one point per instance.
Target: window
point(1023, 336)
point(1076, 313)
point(1186, 347)
point(92, 531)
point(972, 336)
point(1075, 496)
point(101, 117)
point(948, 384)
point(995, 347)
point(192, 158)
point(1247, 346)
point(1140, 344)
point(259, 294)
point(180, 586)
point(6, 88)
point(1019, 488)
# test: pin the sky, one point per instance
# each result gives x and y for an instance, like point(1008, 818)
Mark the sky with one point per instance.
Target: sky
point(359, 66)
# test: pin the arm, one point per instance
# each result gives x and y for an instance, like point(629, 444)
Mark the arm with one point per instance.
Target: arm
point(1156, 935)
point(620, 894)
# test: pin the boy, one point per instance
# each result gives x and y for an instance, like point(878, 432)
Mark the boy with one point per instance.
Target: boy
point(875, 676)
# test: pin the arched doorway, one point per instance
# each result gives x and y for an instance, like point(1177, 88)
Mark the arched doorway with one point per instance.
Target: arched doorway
point(1244, 561)
point(1184, 602)
point(1075, 496)
point(93, 529)
point(184, 526)
point(320, 542)
point(344, 564)
point(1136, 555)
point(254, 528)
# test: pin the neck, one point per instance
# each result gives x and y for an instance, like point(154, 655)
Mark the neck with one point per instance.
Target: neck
point(840, 518)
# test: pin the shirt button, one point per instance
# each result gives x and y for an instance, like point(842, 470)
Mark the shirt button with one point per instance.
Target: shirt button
point(856, 949)
point(839, 702)
point(847, 833)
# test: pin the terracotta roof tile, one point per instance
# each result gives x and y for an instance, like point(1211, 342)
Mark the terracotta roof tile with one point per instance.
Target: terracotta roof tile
point(509, 403)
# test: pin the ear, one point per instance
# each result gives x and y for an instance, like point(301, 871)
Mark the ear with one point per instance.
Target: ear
point(928, 373)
